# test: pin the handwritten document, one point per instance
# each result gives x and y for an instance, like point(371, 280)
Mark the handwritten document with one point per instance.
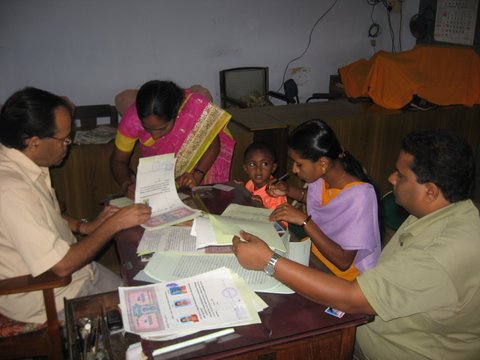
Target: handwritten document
point(156, 188)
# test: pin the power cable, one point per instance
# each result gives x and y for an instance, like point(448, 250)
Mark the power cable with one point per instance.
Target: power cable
point(308, 44)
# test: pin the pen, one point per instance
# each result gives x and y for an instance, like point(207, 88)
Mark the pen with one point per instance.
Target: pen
point(194, 341)
point(284, 176)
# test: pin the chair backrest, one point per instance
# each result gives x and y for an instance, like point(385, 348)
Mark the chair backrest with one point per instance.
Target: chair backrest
point(90, 116)
point(238, 83)
point(46, 341)
point(393, 215)
point(291, 91)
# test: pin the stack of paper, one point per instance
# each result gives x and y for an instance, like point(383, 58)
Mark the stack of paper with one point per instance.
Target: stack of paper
point(171, 266)
point(211, 300)
point(220, 229)
point(155, 187)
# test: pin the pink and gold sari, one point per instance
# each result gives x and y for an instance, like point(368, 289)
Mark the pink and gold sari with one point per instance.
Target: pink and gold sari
point(198, 123)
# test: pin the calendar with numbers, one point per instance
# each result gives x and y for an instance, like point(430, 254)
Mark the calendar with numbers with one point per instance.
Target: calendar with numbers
point(455, 21)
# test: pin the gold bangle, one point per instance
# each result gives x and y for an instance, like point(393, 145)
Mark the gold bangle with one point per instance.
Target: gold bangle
point(305, 222)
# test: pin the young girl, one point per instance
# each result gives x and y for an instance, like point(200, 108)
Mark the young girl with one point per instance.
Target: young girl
point(259, 163)
point(342, 206)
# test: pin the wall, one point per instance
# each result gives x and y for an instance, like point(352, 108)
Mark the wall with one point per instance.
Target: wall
point(90, 50)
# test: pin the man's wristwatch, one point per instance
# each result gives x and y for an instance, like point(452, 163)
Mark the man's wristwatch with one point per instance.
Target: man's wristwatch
point(270, 267)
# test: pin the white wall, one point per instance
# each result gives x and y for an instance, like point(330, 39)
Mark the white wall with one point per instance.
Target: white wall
point(90, 50)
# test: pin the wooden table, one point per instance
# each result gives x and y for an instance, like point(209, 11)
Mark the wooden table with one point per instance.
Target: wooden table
point(292, 327)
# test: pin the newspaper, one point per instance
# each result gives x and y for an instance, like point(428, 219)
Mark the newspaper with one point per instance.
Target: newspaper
point(102, 134)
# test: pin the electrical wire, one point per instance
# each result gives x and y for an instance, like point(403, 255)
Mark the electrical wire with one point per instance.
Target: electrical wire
point(308, 44)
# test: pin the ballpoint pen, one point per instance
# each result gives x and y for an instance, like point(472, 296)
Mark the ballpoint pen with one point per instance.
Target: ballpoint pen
point(284, 176)
point(194, 341)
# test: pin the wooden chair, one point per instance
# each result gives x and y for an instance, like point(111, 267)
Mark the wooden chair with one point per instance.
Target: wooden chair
point(89, 115)
point(46, 341)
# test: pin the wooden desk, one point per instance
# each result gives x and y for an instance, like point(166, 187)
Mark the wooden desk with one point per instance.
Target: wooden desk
point(292, 327)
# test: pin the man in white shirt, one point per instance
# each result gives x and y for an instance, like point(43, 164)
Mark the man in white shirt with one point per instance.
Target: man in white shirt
point(35, 128)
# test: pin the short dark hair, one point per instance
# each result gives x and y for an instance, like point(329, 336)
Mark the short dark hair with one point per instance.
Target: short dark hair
point(29, 112)
point(259, 146)
point(159, 98)
point(444, 159)
point(314, 139)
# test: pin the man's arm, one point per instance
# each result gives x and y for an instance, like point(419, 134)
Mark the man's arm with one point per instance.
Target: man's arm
point(326, 289)
point(84, 251)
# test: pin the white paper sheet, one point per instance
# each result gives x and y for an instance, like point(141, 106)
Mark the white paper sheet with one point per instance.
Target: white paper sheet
point(155, 186)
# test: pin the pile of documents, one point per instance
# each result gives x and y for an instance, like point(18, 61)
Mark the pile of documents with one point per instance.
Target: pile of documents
point(169, 310)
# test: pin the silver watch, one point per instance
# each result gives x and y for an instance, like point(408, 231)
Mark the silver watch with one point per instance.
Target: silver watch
point(270, 267)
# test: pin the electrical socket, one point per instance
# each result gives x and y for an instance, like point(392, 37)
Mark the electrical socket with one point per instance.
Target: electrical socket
point(395, 6)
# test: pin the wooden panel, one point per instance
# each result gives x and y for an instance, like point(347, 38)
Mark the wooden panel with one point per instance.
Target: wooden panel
point(373, 134)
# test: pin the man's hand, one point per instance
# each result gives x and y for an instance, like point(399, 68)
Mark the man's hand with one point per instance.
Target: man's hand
point(129, 216)
point(252, 253)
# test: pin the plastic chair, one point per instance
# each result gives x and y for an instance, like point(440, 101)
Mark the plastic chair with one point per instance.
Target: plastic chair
point(44, 342)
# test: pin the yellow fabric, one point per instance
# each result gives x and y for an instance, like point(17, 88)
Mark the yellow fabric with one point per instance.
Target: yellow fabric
point(212, 122)
point(351, 273)
point(441, 75)
point(125, 143)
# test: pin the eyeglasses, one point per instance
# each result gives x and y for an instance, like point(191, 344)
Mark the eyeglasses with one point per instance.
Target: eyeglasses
point(65, 141)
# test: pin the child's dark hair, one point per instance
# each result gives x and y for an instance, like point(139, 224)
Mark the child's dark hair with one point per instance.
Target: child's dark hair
point(259, 146)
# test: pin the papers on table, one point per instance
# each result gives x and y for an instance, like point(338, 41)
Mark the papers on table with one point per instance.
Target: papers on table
point(173, 239)
point(169, 266)
point(100, 135)
point(169, 310)
point(155, 186)
point(248, 218)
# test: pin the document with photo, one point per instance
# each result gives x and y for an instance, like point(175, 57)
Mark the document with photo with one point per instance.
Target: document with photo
point(167, 310)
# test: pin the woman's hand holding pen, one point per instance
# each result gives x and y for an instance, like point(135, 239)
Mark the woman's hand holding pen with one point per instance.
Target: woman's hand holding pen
point(288, 213)
point(277, 188)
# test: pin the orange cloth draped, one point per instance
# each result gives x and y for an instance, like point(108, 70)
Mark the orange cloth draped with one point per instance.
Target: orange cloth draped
point(441, 75)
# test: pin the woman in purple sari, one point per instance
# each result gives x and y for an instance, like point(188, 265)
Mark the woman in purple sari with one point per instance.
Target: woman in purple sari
point(341, 203)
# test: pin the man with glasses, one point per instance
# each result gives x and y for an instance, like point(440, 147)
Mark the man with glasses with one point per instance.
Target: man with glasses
point(35, 128)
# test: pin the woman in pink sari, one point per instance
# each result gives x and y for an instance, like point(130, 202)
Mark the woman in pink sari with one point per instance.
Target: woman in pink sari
point(167, 119)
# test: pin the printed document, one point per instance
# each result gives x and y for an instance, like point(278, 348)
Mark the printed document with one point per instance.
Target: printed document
point(169, 266)
point(155, 186)
point(212, 300)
